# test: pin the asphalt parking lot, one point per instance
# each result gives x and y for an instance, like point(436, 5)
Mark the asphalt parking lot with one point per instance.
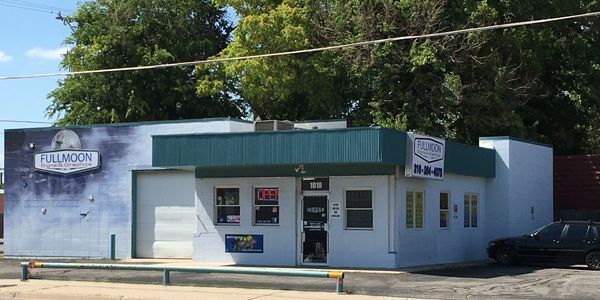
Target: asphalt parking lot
point(486, 280)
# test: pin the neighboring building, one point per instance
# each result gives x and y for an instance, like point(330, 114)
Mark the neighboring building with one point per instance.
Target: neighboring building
point(577, 187)
point(215, 190)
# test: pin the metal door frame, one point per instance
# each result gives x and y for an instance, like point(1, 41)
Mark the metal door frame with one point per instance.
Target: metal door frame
point(299, 257)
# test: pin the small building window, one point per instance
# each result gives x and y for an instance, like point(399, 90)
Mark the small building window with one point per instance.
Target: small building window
point(227, 204)
point(359, 209)
point(471, 210)
point(266, 205)
point(444, 210)
point(415, 207)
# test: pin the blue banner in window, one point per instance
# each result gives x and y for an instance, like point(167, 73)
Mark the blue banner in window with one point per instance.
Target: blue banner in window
point(244, 243)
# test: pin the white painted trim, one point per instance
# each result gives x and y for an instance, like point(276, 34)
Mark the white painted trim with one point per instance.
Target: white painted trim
point(414, 211)
point(448, 210)
point(470, 203)
point(300, 230)
point(345, 216)
point(214, 197)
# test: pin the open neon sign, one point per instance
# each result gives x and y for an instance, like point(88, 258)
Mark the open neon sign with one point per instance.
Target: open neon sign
point(267, 194)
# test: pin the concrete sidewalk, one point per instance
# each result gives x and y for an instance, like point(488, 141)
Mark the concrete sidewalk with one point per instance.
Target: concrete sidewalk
point(75, 290)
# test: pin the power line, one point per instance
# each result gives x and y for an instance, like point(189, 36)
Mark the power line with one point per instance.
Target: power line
point(372, 42)
point(34, 6)
point(24, 121)
point(39, 5)
point(25, 8)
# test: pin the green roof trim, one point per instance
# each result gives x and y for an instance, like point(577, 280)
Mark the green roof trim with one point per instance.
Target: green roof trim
point(495, 138)
point(347, 151)
point(290, 147)
point(469, 160)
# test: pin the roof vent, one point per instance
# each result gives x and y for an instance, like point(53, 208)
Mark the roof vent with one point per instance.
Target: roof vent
point(272, 125)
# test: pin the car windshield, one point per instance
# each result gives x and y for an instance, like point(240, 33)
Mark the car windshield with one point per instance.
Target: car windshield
point(539, 229)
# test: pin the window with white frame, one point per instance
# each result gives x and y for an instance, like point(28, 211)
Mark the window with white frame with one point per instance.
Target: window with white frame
point(359, 209)
point(444, 215)
point(266, 205)
point(470, 210)
point(415, 208)
point(227, 205)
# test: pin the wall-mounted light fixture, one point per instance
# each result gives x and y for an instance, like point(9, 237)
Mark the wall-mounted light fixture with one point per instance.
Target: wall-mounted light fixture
point(44, 211)
point(31, 146)
point(91, 198)
point(300, 169)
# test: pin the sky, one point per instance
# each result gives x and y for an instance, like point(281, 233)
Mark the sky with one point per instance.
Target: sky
point(31, 41)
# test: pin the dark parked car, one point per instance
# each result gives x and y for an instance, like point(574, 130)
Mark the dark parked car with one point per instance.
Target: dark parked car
point(573, 242)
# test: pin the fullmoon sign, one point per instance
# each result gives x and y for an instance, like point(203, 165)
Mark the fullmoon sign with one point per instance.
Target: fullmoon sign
point(424, 156)
point(67, 161)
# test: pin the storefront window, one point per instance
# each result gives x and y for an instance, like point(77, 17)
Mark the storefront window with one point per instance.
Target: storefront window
point(266, 205)
point(470, 210)
point(359, 209)
point(444, 210)
point(415, 207)
point(227, 204)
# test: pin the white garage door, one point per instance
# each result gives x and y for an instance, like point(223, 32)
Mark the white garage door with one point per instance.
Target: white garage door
point(166, 217)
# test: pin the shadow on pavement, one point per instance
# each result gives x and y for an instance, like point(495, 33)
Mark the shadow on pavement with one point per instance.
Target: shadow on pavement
point(485, 271)
point(492, 270)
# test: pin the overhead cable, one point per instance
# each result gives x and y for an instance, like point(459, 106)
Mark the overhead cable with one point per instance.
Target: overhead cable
point(26, 8)
point(24, 121)
point(364, 43)
point(33, 6)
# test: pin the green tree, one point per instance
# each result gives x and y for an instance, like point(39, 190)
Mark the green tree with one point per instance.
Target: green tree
point(537, 82)
point(113, 34)
point(290, 87)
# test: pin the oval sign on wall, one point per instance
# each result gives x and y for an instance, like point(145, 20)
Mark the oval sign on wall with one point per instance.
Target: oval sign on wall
point(67, 161)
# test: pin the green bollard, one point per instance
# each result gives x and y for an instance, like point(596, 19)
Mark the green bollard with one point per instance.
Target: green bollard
point(112, 246)
point(24, 272)
point(166, 277)
point(339, 285)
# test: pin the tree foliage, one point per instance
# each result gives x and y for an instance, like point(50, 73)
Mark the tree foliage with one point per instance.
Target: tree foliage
point(289, 87)
point(111, 34)
point(537, 82)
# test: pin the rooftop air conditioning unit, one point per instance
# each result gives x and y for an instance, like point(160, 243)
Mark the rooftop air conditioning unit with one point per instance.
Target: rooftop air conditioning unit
point(272, 125)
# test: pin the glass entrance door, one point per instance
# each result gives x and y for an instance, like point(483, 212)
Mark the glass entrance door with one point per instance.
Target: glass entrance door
point(314, 230)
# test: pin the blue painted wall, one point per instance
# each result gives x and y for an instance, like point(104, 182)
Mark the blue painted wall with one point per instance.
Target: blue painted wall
point(51, 215)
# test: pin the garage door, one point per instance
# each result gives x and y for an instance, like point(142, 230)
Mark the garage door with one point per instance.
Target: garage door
point(166, 216)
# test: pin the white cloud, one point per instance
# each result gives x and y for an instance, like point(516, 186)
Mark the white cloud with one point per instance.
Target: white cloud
point(4, 56)
point(46, 53)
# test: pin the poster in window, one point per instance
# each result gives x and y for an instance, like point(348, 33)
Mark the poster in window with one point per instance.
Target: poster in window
point(267, 215)
point(228, 196)
point(244, 243)
point(228, 214)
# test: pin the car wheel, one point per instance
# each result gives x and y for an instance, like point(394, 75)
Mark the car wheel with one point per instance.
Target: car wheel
point(506, 255)
point(592, 259)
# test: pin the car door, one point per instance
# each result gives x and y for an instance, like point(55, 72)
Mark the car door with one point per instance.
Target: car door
point(542, 245)
point(573, 244)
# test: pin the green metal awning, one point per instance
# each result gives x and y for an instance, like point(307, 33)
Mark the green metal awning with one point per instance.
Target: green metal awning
point(348, 151)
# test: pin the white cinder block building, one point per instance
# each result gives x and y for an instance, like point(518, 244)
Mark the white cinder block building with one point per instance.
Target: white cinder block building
point(306, 193)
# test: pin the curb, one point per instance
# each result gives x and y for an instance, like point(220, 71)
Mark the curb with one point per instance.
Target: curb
point(58, 290)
